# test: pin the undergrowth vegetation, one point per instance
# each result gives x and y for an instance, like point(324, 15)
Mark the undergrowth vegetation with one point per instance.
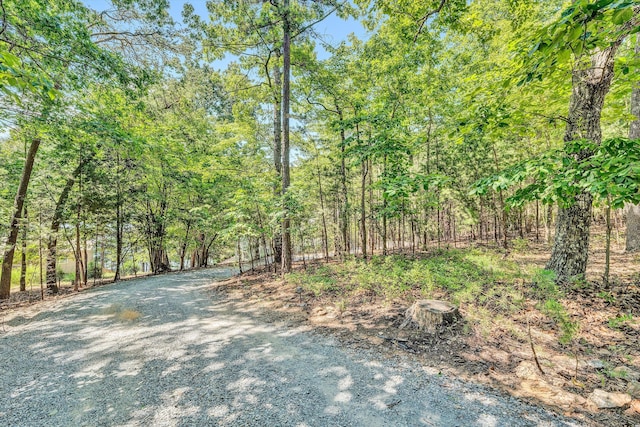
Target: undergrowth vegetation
point(482, 281)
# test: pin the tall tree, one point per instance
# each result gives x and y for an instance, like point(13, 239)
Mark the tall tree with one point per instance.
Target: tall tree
point(591, 79)
point(7, 260)
point(632, 242)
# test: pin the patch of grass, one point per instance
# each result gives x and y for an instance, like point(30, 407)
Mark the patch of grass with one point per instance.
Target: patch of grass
point(543, 285)
point(607, 296)
point(519, 244)
point(318, 280)
point(616, 322)
point(465, 276)
point(491, 286)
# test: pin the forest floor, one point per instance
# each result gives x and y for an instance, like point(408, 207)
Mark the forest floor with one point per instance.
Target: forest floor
point(586, 342)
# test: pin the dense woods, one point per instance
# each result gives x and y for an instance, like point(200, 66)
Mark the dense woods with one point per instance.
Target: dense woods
point(136, 143)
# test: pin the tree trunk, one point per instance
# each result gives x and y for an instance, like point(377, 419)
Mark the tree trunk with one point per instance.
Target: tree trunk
point(78, 254)
point(286, 179)
point(632, 243)
point(372, 240)
point(85, 257)
point(23, 264)
point(155, 234)
point(239, 251)
point(428, 315)
point(119, 220)
point(607, 245)
point(344, 197)
point(363, 212)
point(384, 212)
point(325, 234)
point(52, 244)
point(589, 87)
point(40, 252)
point(183, 248)
point(277, 149)
point(503, 217)
point(7, 260)
point(547, 224)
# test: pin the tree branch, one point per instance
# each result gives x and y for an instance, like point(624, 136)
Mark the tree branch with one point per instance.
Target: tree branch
point(425, 18)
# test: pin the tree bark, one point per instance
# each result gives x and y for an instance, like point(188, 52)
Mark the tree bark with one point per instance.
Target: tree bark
point(325, 234)
point(52, 244)
point(632, 243)
point(344, 197)
point(7, 261)
point(363, 212)
point(119, 219)
point(78, 254)
point(277, 149)
point(23, 263)
point(286, 179)
point(589, 86)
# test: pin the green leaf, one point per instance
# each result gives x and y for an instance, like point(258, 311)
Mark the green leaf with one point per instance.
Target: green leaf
point(574, 34)
point(621, 16)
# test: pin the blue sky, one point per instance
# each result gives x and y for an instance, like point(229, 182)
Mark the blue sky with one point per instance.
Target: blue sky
point(333, 29)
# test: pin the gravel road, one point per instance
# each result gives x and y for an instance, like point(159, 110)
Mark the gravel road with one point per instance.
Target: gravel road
point(191, 359)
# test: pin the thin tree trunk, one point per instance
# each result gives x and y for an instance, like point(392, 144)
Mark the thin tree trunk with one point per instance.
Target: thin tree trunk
point(85, 257)
point(384, 213)
point(344, 200)
point(78, 254)
point(453, 225)
point(119, 220)
point(537, 221)
point(371, 221)
point(363, 205)
point(23, 264)
point(251, 254)
point(7, 260)
point(286, 179)
point(239, 250)
point(547, 224)
point(277, 149)
point(607, 248)
point(263, 238)
point(40, 253)
point(503, 217)
point(325, 235)
point(183, 249)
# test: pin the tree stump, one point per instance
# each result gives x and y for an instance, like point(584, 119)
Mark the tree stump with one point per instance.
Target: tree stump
point(429, 314)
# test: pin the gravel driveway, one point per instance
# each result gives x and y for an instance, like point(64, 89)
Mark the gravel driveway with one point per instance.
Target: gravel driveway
point(193, 360)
